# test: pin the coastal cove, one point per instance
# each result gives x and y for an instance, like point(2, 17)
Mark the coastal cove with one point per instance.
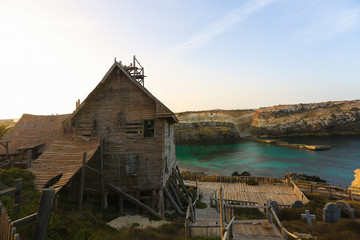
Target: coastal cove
point(336, 165)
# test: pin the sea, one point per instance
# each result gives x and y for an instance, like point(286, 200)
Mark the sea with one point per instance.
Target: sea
point(336, 165)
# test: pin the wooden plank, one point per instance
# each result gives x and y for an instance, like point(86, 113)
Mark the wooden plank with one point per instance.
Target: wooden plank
point(102, 173)
point(183, 185)
point(82, 182)
point(43, 218)
point(25, 220)
point(172, 201)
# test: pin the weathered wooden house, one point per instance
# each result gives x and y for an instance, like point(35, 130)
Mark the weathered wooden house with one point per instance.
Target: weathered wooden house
point(128, 136)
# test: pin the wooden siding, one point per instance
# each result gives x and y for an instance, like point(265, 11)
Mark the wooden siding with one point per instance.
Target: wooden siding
point(116, 111)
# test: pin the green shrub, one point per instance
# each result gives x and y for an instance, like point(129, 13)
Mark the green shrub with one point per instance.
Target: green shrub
point(201, 205)
point(252, 182)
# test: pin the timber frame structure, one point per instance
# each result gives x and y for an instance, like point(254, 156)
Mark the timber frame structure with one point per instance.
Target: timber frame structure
point(118, 146)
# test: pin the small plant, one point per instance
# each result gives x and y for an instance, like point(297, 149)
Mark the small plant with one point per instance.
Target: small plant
point(200, 205)
point(252, 182)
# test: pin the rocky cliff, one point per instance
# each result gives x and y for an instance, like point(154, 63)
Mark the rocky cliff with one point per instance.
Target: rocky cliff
point(341, 117)
point(325, 118)
point(213, 126)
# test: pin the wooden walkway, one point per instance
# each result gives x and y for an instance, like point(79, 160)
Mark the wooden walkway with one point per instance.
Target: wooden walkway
point(261, 193)
point(243, 229)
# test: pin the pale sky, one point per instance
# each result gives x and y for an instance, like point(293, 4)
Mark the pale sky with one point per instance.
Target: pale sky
point(198, 54)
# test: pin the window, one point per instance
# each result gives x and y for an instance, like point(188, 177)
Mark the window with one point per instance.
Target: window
point(131, 162)
point(167, 128)
point(149, 128)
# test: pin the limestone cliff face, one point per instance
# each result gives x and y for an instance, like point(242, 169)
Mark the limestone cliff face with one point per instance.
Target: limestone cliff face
point(213, 126)
point(341, 117)
point(356, 183)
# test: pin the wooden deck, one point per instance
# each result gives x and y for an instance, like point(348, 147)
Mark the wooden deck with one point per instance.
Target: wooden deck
point(243, 229)
point(261, 193)
point(62, 157)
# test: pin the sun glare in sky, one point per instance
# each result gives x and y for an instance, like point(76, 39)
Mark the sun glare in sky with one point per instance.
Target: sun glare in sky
point(197, 54)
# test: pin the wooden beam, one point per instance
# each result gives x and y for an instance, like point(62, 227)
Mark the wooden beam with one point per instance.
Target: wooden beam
point(131, 199)
point(172, 201)
point(24, 220)
point(221, 213)
point(183, 185)
point(177, 189)
point(29, 157)
point(93, 169)
point(82, 182)
point(176, 197)
point(8, 191)
point(18, 186)
point(102, 172)
point(43, 218)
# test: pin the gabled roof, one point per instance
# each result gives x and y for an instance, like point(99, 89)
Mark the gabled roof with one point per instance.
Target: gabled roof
point(161, 110)
point(33, 131)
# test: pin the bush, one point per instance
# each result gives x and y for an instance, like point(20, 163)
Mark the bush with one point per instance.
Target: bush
point(201, 205)
point(252, 182)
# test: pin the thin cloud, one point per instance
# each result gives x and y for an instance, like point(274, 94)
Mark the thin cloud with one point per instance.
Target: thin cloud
point(225, 23)
point(330, 25)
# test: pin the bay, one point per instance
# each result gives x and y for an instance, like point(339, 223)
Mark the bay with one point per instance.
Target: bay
point(336, 165)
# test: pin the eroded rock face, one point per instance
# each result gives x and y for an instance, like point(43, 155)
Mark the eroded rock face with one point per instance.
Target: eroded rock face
point(342, 117)
point(308, 119)
point(356, 182)
point(213, 126)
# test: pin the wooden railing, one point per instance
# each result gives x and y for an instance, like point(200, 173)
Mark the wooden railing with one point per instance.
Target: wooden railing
point(229, 229)
point(331, 190)
point(299, 193)
point(190, 216)
point(231, 179)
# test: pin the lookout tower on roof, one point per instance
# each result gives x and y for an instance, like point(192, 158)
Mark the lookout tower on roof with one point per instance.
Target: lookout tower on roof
point(136, 71)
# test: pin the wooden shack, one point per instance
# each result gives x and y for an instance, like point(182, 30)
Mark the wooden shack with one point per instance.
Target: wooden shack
point(31, 132)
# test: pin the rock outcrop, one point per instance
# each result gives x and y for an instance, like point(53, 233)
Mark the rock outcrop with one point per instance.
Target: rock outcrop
point(356, 182)
point(327, 118)
point(213, 126)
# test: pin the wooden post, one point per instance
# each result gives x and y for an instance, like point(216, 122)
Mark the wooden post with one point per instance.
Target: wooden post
point(176, 197)
point(187, 228)
point(192, 214)
point(221, 214)
point(82, 181)
point(161, 204)
point(102, 172)
point(18, 186)
point(172, 201)
point(29, 157)
point(350, 195)
point(43, 218)
point(177, 189)
point(216, 201)
point(183, 185)
point(330, 192)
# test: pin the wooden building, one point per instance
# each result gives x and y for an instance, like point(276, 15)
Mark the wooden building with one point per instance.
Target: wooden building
point(31, 132)
point(128, 137)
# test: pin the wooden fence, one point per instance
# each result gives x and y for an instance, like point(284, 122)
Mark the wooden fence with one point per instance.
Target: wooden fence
point(42, 217)
point(231, 179)
point(332, 190)
point(7, 229)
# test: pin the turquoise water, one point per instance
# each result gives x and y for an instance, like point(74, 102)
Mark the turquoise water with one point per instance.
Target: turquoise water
point(336, 165)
